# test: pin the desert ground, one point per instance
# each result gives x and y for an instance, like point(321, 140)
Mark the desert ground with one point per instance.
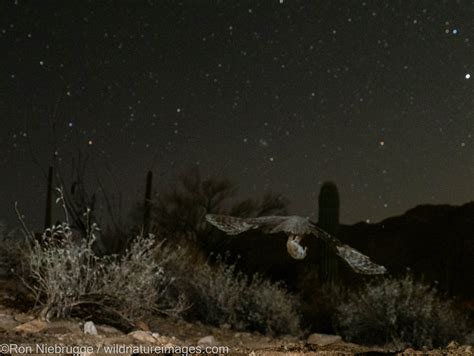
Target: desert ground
point(22, 332)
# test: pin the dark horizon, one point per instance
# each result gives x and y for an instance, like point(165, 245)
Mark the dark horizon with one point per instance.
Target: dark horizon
point(277, 96)
point(35, 222)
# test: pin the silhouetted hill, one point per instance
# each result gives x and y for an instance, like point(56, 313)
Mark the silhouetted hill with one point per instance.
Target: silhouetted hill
point(433, 241)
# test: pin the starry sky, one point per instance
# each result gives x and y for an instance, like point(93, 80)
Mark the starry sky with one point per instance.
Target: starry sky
point(277, 95)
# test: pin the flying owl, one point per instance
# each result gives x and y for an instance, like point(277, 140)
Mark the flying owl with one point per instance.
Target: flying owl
point(296, 227)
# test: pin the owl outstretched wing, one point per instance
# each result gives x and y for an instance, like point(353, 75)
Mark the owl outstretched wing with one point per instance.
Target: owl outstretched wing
point(359, 262)
point(233, 225)
point(296, 226)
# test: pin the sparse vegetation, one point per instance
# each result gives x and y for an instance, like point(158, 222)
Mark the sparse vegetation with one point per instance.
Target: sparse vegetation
point(221, 295)
point(402, 312)
point(11, 251)
point(65, 274)
point(270, 308)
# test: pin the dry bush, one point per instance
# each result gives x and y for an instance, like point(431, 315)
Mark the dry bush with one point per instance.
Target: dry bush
point(400, 312)
point(319, 301)
point(11, 251)
point(179, 211)
point(221, 295)
point(65, 274)
point(271, 309)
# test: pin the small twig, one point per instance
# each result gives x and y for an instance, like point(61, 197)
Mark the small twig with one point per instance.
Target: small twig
point(20, 217)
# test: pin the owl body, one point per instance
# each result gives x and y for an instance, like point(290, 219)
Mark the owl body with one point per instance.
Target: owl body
point(294, 248)
point(293, 225)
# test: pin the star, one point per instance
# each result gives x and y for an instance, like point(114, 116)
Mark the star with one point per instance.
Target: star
point(255, 92)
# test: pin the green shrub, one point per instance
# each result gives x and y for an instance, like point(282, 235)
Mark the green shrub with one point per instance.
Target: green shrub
point(401, 312)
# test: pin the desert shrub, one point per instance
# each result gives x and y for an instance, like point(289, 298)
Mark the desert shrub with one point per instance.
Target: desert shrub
point(65, 274)
point(178, 212)
point(221, 295)
point(215, 293)
point(401, 312)
point(318, 300)
point(11, 251)
point(269, 308)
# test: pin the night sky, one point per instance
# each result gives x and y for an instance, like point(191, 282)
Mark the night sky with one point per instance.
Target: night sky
point(377, 96)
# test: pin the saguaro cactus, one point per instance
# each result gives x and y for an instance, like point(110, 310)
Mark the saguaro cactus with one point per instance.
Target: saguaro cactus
point(328, 219)
point(147, 204)
point(48, 215)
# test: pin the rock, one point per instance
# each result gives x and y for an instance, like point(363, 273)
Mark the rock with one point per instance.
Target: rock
point(164, 340)
point(7, 322)
point(108, 330)
point(23, 318)
point(322, 339)
point(169, 345)
point(143, 336)
point(62, 327)
point(89, 328)
point(453, 345)
point(207, 340)
point(31, 327)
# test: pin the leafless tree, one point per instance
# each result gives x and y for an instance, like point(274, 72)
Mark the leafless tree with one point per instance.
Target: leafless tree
point(179, 212)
